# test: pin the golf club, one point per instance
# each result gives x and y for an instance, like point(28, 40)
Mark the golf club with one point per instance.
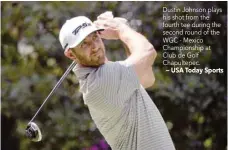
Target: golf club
point(32, 131)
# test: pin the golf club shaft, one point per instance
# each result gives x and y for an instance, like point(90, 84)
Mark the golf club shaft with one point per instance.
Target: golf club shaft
point(55, 87)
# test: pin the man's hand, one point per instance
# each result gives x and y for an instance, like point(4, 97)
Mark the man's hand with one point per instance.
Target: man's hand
point(111, 25)
point(105, 15)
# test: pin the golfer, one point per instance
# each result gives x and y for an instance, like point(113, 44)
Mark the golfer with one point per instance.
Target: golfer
point(115, 91)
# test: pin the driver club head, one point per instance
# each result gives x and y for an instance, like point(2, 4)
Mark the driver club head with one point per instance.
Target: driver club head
point(33, 132)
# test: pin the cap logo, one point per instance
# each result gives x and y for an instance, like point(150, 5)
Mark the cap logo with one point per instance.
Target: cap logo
point(81, 27)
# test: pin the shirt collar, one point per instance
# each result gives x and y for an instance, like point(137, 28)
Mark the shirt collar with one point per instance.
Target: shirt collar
point(82, 72)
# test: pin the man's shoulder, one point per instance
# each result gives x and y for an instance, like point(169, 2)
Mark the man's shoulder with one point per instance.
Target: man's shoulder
point(101, 77)
point(112, 65)
point(109, 68)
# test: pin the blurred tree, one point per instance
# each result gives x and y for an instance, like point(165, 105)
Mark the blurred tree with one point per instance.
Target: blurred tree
point(193, 106)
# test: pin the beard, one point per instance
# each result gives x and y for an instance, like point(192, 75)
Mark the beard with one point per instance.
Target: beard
point(94, 60)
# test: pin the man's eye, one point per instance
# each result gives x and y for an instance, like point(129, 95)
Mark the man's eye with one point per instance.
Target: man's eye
point(83, 44)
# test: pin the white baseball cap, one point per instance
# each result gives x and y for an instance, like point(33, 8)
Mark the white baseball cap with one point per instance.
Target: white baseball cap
point(75, 31)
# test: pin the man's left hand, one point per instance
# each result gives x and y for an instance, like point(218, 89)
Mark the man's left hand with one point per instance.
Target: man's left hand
point(110, 25)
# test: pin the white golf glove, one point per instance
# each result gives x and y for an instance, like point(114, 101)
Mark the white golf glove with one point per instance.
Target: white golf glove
point(110, 24)
point(109, 15)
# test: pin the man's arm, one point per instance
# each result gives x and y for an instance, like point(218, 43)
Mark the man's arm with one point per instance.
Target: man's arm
point(141, 54)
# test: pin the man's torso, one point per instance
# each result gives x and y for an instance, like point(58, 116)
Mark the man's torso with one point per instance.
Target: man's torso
point(125, 114)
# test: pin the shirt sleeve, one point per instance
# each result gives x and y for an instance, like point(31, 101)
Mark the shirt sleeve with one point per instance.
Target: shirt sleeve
point(118, 80)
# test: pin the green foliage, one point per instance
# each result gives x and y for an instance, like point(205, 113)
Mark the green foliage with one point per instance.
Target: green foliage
point(193, 106)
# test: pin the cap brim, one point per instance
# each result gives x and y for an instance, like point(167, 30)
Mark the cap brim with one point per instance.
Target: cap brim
point(86, 33)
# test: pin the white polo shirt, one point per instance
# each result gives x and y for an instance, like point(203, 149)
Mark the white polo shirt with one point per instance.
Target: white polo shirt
point(121, 108)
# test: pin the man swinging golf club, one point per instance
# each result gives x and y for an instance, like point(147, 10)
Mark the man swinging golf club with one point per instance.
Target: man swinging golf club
point(115, 91)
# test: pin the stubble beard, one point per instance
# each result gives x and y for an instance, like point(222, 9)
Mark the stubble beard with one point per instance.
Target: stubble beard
point(89, 62)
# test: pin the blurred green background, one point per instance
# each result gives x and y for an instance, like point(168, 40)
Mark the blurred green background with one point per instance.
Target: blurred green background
point(193, 106)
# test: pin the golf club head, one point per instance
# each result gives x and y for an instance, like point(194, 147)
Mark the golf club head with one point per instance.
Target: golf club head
point(33, 132)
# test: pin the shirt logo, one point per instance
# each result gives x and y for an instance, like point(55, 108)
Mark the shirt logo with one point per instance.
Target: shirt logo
point(81, 27)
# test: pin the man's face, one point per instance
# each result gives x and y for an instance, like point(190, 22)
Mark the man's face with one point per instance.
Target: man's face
point(91, 51)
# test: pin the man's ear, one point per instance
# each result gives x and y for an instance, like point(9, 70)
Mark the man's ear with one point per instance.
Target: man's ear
point(68, 53)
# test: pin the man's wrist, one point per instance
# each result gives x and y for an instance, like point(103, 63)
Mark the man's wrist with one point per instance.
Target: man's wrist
point(123, 32)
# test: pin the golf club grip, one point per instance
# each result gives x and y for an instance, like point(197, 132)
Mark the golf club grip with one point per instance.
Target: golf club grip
point(55, 87)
